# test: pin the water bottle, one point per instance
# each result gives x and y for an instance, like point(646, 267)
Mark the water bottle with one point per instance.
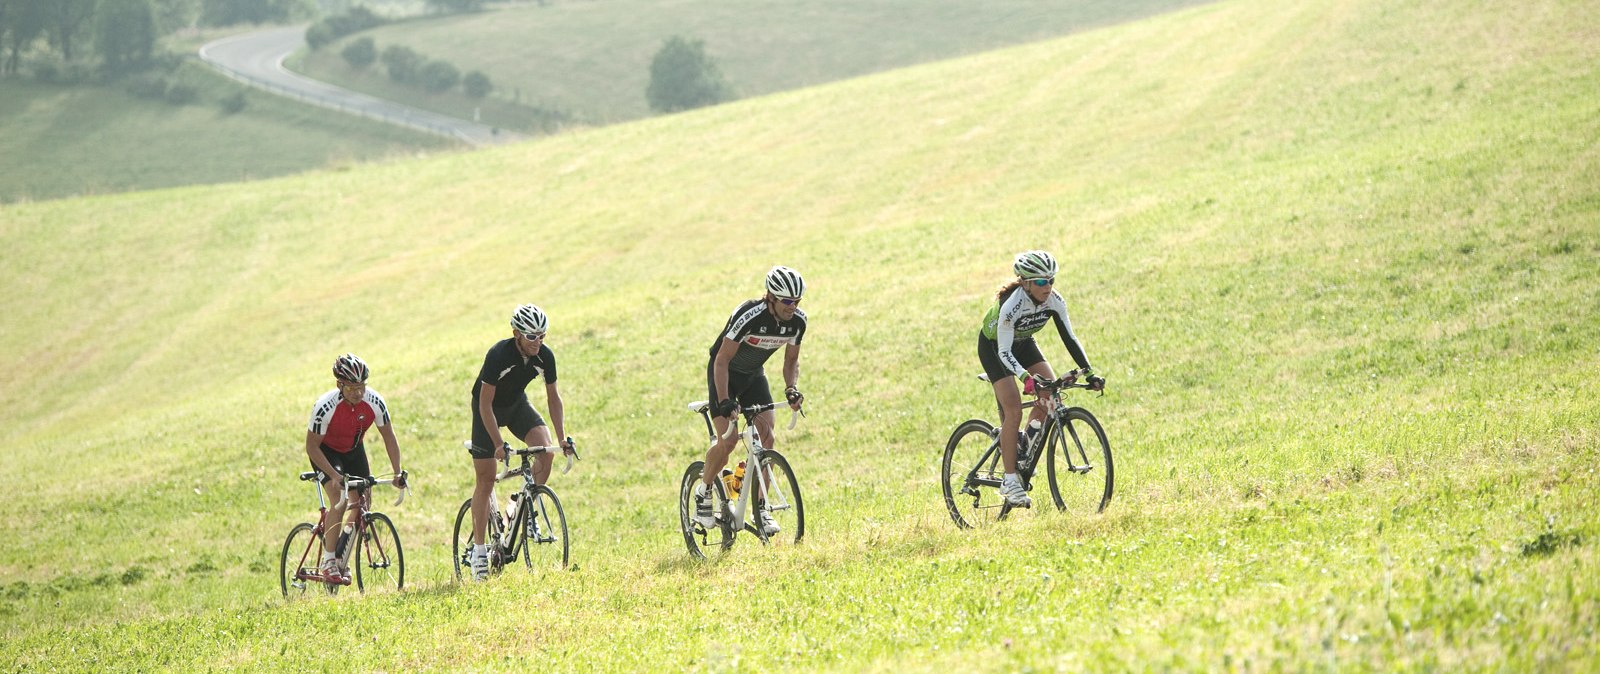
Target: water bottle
point(731, 487)
point(1030, 435)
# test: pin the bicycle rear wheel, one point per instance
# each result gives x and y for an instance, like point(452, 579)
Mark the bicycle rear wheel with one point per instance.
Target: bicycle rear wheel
point(697, 538)
point(1080, 468)
point(297, 568)
point(970, 475)
point(461, 542)
point(379, 561)
point(544, 531)
point(780, 498)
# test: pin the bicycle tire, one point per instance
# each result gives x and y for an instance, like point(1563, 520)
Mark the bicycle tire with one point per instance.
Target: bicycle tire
point(303, 544)
point(696, 538)
point(378, 557)
point(1072, 483)
point(540, 534)
point(461, 541)
point(789, 506)
point(971, 470)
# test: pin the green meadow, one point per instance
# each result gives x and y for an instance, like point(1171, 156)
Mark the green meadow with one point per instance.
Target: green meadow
point(62, 141)
point(1339, 261)
point(588, 63)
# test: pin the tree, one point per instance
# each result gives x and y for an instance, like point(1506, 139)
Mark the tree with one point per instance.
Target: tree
point(21, 24)
point(683, 77)
point(456, 5)
point(230, 12)
point(361, 52)
point(439, 76)
point(402, 63)
point(64, 19)
point(125, 33)
point(476, 84)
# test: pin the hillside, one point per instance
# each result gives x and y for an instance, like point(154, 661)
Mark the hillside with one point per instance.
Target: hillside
point(62, 141)
point(1338, 259)
point(588, 63)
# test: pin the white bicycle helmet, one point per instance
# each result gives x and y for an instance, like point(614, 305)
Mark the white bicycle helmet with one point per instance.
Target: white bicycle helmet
point(350, 368)
point(785, 283)
point(1034, 264)
point(529, 320)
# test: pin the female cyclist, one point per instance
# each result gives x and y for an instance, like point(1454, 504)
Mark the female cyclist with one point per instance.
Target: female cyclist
point(1006, 348)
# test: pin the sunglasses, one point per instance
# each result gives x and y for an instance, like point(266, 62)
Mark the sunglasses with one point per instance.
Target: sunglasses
point(532, 336)
point(1042, 282)
point(788, 302)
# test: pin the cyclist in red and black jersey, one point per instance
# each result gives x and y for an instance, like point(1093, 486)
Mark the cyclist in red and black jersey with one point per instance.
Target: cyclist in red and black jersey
point(339, 420)
point(500, 398)
point(734, 376)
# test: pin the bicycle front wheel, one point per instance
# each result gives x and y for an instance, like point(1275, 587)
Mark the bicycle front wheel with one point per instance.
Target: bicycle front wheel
point(297, 568)
point(544, 529)
point(1081, 472)
point(971, 474)
point(379, 561)
point(780, 499)
point(697, 537)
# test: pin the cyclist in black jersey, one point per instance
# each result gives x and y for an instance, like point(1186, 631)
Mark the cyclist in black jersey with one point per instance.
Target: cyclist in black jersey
point(734, 375)
point(1006, 348)
point(499, 398)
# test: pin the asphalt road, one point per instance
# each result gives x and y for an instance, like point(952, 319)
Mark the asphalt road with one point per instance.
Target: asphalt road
point(257, 59)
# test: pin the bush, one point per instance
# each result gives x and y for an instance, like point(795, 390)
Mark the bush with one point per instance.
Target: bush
point(319, 35)
point(683, 77)
point(234, 104)
point(439, 76)
point(361, 52)
point(402, 63)
point(476, 84)
point(182, 94)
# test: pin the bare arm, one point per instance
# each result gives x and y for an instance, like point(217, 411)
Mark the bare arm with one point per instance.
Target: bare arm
point(719, 367)
point(314, 452)
point(393, 447)
point(791, 369)
point(557, 412)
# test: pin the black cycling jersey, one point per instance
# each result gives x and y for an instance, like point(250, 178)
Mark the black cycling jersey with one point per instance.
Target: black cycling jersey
point(759, 334)
point(510, 373)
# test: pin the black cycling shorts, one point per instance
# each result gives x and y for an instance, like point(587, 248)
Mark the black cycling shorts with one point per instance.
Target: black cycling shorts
point(352, 463)
point(519, 417)
point(1026, 351)
point(746, 388)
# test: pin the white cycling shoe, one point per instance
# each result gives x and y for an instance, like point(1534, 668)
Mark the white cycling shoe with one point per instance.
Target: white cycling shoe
point(1015, 495)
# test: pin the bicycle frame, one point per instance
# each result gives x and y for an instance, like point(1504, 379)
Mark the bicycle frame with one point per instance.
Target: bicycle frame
point(359, 508)
point(1028, 461)
point(511, 545)
point(754, 452)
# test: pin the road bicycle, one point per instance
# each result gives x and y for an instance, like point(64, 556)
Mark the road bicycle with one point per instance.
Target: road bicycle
point(776, 492)
point(1077, 460)
point(378, 559)
point(533, 526)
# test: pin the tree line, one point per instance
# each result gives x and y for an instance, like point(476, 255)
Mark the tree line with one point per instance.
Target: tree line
point(120, 34)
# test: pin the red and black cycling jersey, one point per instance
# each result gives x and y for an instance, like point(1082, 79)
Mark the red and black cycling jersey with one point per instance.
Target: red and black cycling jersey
point(509, 372)
point(341, 424)
point(759, 334)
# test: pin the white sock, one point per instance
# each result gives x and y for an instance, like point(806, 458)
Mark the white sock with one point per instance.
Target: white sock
point(327, 555)
point(480, 550)
point(1011, 477)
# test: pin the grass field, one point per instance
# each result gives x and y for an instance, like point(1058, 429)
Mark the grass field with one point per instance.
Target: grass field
point(63, 141)
point(589, 62)
point(1338, 259)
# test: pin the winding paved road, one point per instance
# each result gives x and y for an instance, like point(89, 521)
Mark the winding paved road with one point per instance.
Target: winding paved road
point(257, 59)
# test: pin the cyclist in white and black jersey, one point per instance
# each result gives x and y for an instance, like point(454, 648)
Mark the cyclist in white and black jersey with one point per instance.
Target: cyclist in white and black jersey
point(335, 442)
point(735, 378)
point(1006, 349)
